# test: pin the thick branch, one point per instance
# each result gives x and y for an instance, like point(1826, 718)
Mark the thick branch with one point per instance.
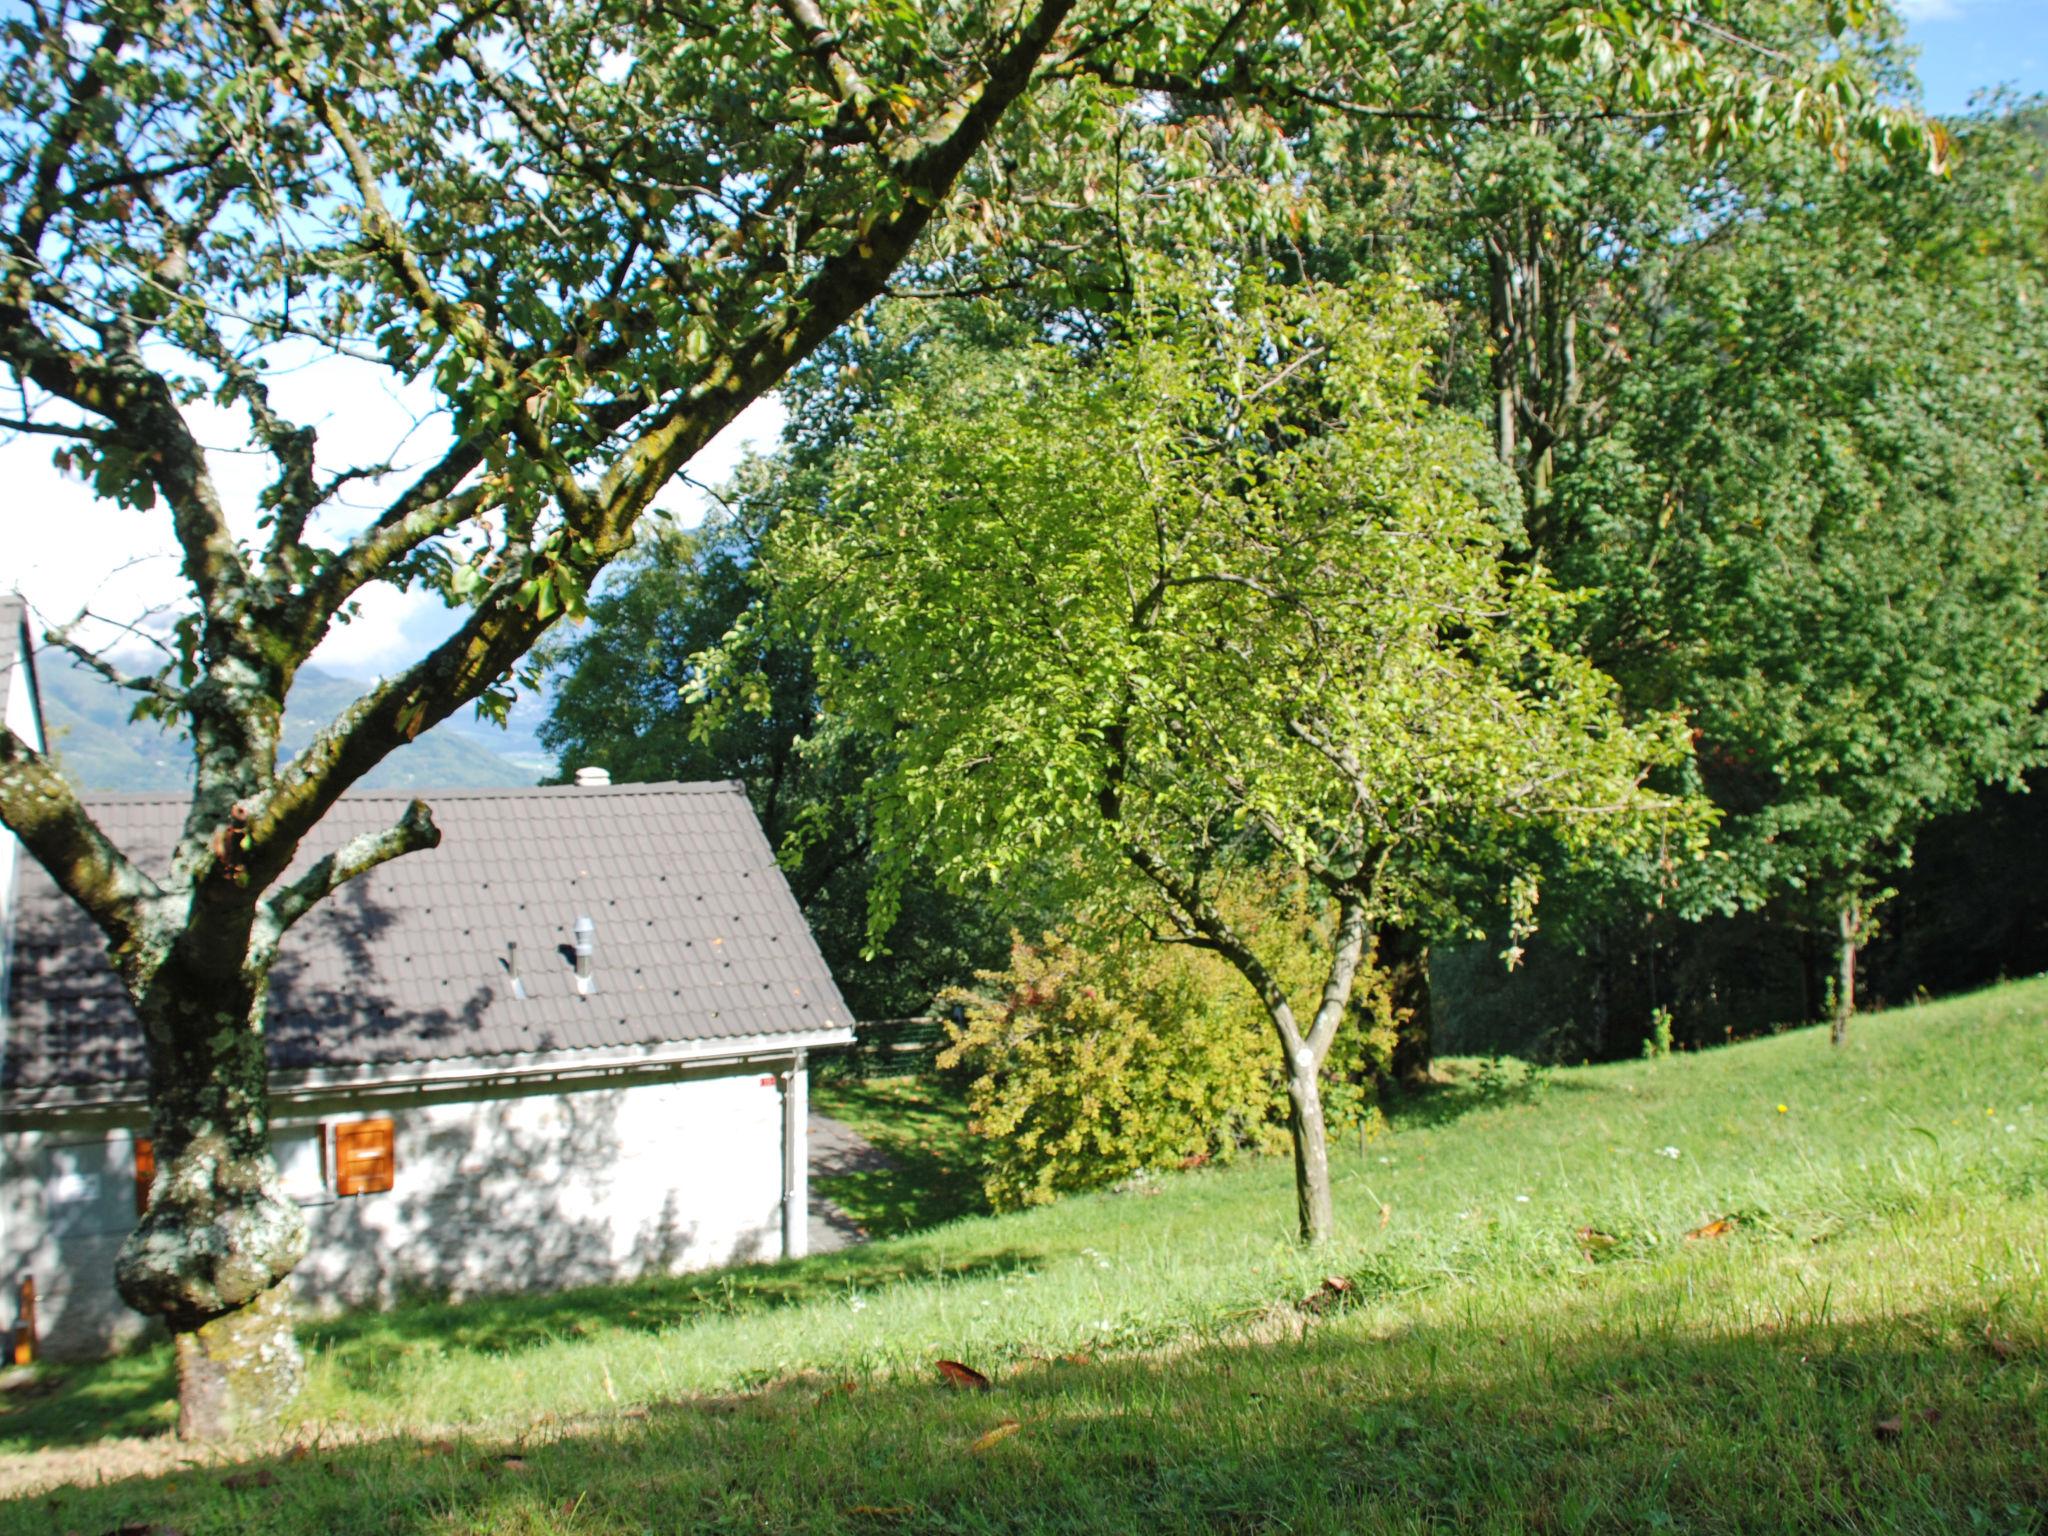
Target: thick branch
point(413, 832)
point(40, 808)
point(1348, 954)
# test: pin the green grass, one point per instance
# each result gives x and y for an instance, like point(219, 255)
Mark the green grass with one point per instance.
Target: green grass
point(1866, 1350)
point(931, 1177)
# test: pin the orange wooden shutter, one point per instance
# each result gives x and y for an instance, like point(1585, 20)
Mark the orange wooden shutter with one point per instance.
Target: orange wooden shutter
point(363, 1160)
point(145, 1172)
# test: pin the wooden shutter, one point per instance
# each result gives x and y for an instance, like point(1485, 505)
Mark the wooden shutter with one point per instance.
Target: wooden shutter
point(363, 1160)
point(145, 1172)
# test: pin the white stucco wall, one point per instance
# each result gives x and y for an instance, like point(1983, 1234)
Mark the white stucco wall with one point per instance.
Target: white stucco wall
point(18, 711)
point(534, 1189)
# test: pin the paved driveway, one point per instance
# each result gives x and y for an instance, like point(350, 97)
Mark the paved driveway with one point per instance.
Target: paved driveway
point(837, 1147)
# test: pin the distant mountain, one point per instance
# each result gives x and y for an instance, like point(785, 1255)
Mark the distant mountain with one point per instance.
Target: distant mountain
point(100, 748)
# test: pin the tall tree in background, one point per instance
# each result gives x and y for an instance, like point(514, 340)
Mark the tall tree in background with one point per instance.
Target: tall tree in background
point(1554, 217)
point(621, 700)
point(1227, 591)
point(1819, 524)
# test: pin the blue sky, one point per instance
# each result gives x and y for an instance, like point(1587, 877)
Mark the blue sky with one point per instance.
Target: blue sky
point(1966, 45)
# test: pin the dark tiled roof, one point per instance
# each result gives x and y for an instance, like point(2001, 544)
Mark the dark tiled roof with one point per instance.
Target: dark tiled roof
point(698, 937)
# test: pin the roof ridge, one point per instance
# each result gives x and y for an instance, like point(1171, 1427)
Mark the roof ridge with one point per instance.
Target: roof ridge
point(460, 792)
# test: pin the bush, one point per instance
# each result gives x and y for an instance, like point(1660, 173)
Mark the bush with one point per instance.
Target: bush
point(1093, 1060)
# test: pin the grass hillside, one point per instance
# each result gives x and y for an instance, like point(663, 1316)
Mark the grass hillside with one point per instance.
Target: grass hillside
point(1522, 1336)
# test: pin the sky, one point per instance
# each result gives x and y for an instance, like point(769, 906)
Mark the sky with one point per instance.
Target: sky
point(1968, 45)
point(63, 550)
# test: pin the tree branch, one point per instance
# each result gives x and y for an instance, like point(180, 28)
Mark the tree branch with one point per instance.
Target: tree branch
point(39, 806)
point(413, 832)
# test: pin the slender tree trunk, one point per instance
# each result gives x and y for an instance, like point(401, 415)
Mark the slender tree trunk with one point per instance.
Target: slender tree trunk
point(219, 1237)
point(1313, 1203)
point(1501, 326)
point(1849, 928)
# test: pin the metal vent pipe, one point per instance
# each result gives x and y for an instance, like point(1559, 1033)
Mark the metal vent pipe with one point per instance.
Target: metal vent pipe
point(586, 951)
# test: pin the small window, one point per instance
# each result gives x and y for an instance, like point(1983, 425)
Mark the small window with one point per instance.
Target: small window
point(145, 1172)
point(301, 1153)
point(364, 1163)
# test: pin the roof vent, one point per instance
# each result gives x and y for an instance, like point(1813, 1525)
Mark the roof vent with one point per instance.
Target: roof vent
point(586, 947)
point(593, 778)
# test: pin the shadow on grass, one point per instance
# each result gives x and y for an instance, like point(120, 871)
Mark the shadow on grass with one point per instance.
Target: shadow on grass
point(1466, 1085)
point(1905, 1426)
point(67, 1403)
point(929, 1170)
point(370, 1350)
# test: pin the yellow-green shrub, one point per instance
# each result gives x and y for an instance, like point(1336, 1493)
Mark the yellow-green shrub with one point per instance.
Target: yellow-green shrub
point(1091, 1060)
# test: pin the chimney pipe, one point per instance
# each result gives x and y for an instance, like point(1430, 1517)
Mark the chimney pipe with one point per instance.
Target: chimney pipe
point(593, 778)
point(586, 947)
point(512, 965)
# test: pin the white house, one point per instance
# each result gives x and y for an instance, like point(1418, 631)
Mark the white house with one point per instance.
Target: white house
point(460, 1100)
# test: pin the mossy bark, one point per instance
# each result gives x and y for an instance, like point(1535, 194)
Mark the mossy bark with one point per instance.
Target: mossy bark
point(239, 1371)
point(220, 1235)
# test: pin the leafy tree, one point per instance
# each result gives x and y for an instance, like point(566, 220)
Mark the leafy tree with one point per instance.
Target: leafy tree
point(592, 232)
point(1820, 524)
point(1553, 214)
point(621, 701)
point(1094, 1058)
point(1226, 593)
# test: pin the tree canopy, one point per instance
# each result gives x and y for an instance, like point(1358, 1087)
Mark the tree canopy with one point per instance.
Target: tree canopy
point(1227, 586)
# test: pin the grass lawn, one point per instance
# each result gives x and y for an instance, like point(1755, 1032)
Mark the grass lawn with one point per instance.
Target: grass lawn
point(930, 1178)
point(1527, 1340)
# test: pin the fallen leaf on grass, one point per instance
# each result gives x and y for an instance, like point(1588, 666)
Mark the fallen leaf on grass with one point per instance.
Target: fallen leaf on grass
point(1329, 1294)
point(513, 1464)
point(1001, 1432)
point(1595, 1241)
point(1889, 1429)
point(438, 1448)
point(964, 1376)
point(1718, 1228)
point(1386, 1214)
point(884, 1510)
point(1078, 1357)
point(262, 1477)
point(1999, 1345)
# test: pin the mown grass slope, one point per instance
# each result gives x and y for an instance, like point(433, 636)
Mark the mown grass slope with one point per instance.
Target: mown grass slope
point(1527, 1340)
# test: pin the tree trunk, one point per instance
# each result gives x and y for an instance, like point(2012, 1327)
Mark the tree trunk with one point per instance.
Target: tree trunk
point(1403, 958)
point(219, 1236)
point(1313, 1203)
point(239, 1371)
point(1849, 929)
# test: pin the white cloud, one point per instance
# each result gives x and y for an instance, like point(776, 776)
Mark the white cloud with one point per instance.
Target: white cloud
point(1931, 10)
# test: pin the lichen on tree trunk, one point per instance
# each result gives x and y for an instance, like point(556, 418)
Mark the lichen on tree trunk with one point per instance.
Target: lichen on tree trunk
point(219, 1237)
point(240, 1371)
